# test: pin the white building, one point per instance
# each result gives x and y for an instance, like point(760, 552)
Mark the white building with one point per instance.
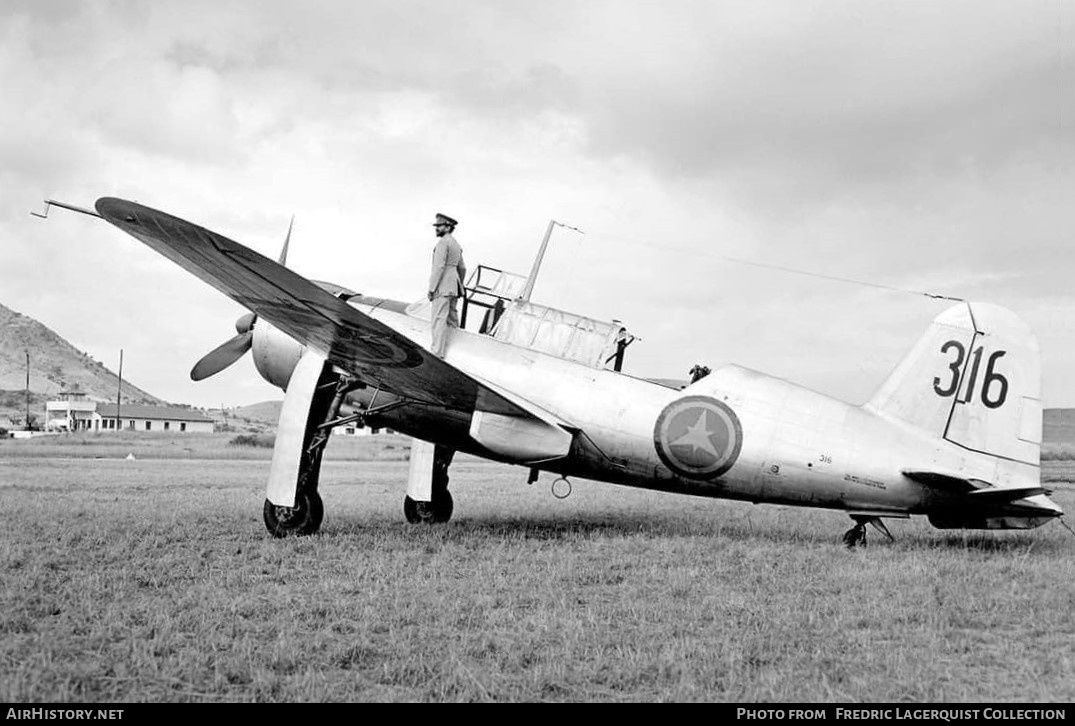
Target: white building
point(73, 412)
point(356, 430)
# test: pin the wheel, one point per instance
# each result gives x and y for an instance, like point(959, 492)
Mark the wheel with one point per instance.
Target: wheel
point(855, 537)
point(438, 511)
point(302, 519)
point(410, 511)
point(442, 507)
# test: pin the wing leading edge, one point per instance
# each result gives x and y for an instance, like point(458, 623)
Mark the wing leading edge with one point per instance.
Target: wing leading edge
point(349, 339)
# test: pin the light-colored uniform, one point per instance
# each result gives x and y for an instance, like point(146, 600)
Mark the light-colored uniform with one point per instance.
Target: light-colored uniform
point(445, 286)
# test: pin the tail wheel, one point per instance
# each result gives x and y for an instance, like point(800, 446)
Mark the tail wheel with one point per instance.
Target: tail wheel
point(856, 536)
point(302, 519)
point(436, 512)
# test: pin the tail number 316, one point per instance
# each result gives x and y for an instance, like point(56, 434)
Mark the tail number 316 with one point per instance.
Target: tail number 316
point(994, 390)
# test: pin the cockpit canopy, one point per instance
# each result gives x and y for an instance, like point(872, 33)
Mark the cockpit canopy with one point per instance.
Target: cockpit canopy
point(562, 334)
point(591, 342)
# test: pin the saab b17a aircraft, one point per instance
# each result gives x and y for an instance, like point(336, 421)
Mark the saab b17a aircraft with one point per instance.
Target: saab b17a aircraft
point(953, 434)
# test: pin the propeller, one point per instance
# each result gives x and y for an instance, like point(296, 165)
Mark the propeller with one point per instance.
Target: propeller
point(228, 352)
point(232, 350)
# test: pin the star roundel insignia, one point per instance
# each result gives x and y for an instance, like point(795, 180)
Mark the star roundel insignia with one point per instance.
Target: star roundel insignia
point(373, 348)
point(698, 437)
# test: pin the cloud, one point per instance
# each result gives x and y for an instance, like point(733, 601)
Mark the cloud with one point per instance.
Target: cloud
point(822, 102)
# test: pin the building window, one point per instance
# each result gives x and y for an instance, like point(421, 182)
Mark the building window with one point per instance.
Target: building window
point(130, 425)
point(149, 425)
point(165, 425)
point(182, 425)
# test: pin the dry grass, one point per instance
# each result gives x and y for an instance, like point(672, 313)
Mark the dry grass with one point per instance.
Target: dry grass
point(153, 580)
point(162, 445)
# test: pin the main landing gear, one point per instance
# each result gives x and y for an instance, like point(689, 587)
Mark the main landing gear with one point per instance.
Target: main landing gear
point(310, 412)
point(436, 512)
point(856, 536)
point(315, 419)
point(439, 509)
point(302, 519)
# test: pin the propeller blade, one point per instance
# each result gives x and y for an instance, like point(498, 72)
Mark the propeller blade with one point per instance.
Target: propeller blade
point(245, 323)
point(287, 241)
point(222, 356)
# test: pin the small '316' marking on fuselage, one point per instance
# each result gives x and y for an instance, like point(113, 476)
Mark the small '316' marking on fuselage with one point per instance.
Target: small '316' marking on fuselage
point(992, 381)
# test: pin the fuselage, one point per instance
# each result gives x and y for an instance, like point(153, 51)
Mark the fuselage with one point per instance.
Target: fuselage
point(795, 446)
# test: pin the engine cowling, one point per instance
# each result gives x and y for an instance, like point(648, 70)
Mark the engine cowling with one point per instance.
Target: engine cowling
point(275, 353)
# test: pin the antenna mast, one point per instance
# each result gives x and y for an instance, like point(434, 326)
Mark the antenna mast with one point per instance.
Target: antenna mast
point(525, 294)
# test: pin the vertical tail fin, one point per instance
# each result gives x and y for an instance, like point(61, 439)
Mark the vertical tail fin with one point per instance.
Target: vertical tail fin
point(974, 378)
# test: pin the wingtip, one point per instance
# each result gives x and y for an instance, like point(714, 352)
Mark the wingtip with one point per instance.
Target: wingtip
point(111, 208)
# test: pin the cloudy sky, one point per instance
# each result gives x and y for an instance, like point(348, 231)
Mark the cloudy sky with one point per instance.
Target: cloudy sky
point(914, 145)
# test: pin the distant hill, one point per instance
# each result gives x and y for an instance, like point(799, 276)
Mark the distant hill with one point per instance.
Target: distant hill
point(55, 365)
point(1058, 426)
point(259, 418)
point(266, 411)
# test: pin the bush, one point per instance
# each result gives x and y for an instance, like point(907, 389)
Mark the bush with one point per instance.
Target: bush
point(257, 440)
point(1058, 452)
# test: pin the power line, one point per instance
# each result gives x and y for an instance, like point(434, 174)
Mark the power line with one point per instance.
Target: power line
point(783, 268)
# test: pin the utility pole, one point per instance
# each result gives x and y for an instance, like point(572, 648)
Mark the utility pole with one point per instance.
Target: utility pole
point(119, 389)
point(27, 390)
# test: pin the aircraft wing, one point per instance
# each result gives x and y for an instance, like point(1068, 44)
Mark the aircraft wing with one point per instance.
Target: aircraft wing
point(355, 342)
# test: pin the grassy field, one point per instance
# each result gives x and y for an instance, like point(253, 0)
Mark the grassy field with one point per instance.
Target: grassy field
point(154, 580)
point(162, 445)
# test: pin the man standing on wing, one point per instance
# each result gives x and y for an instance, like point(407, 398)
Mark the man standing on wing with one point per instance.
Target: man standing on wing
point(445, 282)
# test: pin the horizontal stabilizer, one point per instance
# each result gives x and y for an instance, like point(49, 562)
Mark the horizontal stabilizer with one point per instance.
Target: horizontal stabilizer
point(976, 488)
point(942, 480)
point(1006, 494)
